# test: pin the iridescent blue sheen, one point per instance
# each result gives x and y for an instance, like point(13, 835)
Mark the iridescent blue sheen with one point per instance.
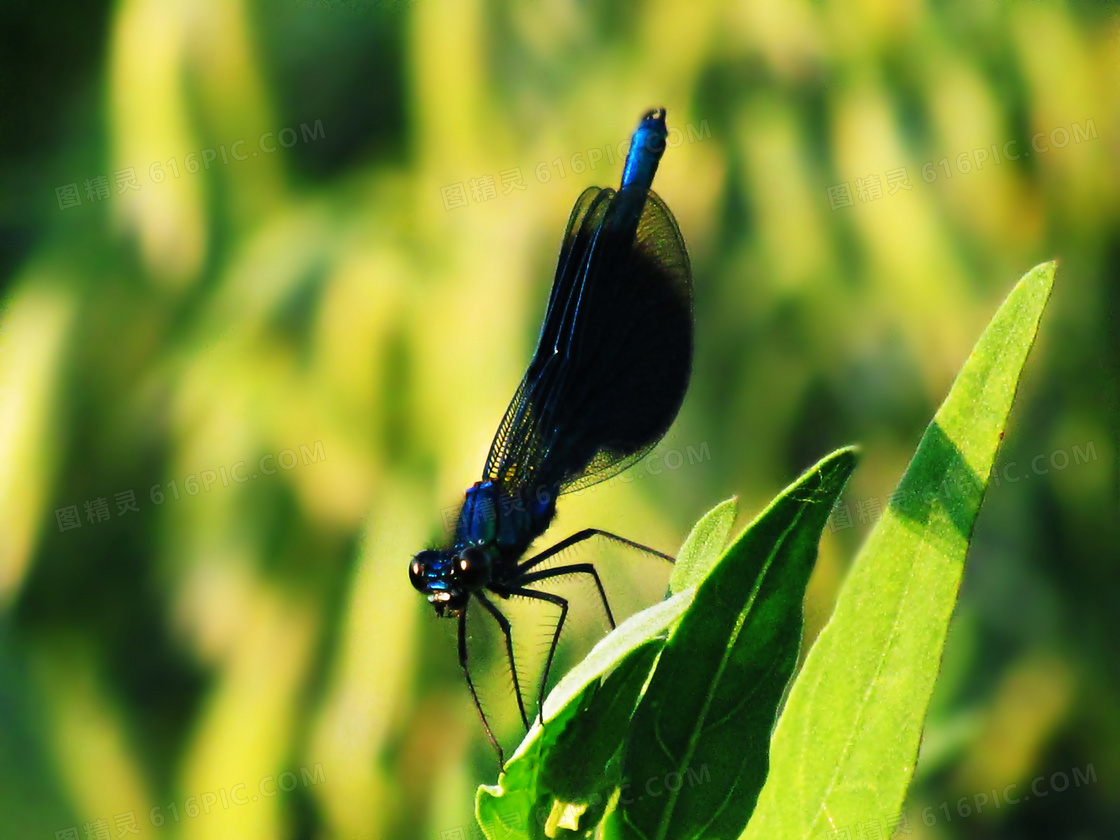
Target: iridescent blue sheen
point(609, 374)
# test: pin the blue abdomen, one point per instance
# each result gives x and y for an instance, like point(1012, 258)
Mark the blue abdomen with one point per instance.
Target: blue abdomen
point(646, 148)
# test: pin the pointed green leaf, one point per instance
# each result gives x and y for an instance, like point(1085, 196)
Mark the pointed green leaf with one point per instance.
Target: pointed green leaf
point(704, 546)
point(614, 648)
point(574, 769)
point(698, 740)
point(844, 750)
point(514, 807)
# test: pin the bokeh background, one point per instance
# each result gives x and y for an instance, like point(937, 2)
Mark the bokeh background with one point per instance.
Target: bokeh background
point(271, 272)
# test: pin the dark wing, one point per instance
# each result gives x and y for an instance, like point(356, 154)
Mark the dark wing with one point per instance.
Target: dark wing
point(615, 351)
point(509, 448)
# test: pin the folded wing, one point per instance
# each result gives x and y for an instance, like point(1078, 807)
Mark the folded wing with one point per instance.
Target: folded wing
point(615, 352)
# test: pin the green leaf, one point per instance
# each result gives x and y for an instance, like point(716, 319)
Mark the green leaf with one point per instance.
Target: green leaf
point(613, 648)
point(517, 805)
point(582, 767)
point(507, 809)
point(704, 546)
point(696, 754)
point(844, 750)
point(573, 770)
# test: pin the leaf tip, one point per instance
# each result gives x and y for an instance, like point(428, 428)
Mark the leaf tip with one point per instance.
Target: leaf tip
point(1043, 274)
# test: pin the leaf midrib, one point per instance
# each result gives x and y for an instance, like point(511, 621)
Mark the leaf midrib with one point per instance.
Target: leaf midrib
point(847, 751)
point(709, 695)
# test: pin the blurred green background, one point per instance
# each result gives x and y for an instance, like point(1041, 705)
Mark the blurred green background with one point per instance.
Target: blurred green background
point(312, 243)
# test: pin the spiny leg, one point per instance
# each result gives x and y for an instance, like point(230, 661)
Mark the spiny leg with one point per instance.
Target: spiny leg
point(474, 693)
point(563, 604)
point(521, 578)
point(580, 536)
point(573, 569)
point(503, 622)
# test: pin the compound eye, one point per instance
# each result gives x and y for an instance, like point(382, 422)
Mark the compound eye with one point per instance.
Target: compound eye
point(473, 567)
point(417, 573)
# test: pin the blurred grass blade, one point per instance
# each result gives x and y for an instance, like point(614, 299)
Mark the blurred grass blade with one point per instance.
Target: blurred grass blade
point(704, 546)
point(696, 754)
point(844, 750)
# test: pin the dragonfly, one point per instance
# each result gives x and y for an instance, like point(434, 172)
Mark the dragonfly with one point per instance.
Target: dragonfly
point(606, 381)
